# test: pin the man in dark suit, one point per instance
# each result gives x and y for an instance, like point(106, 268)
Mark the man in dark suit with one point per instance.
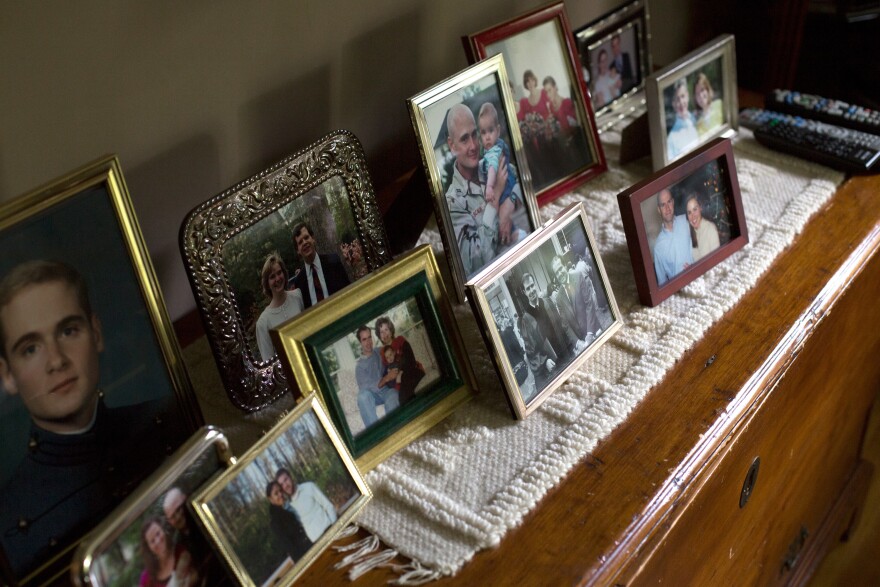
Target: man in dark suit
point(622, 64)
point(542, 329)
point(575, 299)
point(321, 275)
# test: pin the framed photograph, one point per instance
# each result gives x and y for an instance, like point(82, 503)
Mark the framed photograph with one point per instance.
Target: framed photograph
point(545, 309)
point(472, 152)
point(93, 391)
point(285, 500)
point(615, 57)
point(692, 101)
point(275, 245)
point(385, 356)
point(555, 117)
point(683, 220)
point(152, 537)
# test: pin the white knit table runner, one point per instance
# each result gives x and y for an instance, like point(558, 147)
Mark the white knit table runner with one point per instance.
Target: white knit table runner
point(464, 484)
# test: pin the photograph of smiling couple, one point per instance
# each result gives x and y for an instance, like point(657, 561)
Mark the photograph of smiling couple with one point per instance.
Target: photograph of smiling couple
point(292, 259)
point(688, 220)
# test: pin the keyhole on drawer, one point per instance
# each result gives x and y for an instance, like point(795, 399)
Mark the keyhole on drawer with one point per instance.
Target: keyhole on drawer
point(749, 483)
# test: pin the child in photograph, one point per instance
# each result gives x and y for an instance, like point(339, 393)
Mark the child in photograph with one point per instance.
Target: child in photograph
point(494, 148)
point(391, 362)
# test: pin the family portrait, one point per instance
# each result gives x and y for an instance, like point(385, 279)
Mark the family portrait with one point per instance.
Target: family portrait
point(612, 65)
point(688, 220)
point(549, 308)
point(693, 109)
point(546, 93)
point(164, 546)
point(84, 384)
point(282, 501)
point(382, 366)
point(479, 172)
point(292, 259)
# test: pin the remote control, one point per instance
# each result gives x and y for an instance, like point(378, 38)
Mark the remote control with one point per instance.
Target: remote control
point(827, 110)
point(753, 118)
point(836, 152)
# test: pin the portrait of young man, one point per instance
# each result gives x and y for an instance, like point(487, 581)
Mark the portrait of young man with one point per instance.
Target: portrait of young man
point(82, 457)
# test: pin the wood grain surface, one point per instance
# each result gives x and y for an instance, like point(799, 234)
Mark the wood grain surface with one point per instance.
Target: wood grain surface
point(787, 374)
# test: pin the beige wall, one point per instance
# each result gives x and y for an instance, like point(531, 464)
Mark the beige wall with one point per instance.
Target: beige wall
point(195, 96)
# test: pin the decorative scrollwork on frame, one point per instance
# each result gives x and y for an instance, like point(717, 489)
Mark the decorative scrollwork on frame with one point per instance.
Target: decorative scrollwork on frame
point(250, 382)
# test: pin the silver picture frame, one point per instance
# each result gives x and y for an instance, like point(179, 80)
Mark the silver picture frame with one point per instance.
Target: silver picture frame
point(675, 130)
point(545, 309)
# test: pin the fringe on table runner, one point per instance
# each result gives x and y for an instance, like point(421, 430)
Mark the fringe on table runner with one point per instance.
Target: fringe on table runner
point(363, 558)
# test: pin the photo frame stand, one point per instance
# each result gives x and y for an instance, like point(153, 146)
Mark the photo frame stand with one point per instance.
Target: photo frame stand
point(635, 139)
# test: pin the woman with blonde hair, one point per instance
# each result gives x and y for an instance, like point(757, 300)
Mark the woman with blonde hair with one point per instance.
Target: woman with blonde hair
point(709, 111)
point(283, 305)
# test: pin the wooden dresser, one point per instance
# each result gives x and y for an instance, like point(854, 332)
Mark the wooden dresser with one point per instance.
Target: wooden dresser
point(672, 497)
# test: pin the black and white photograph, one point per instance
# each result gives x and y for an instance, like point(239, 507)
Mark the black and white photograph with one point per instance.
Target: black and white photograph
point(549, 308)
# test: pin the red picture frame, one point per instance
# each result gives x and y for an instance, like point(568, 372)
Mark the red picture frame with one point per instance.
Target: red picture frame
point(560, 136)
point(707, 176)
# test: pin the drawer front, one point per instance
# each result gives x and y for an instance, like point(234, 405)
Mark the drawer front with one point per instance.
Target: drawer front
point(807, 435)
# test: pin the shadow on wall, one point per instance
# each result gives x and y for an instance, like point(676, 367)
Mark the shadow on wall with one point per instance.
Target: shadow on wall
point(173, 183)
point(377, 75)
point(286, 119)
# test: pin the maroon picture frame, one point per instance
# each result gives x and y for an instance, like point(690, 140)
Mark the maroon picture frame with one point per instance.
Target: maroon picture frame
point(680, 178)
point(477, 46)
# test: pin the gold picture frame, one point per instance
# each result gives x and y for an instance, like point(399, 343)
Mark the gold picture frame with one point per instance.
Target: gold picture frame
point(263, 541)
point(471, 228)
point(538, 340)
point(326, 350)
point(108, 555)
point(77, 240)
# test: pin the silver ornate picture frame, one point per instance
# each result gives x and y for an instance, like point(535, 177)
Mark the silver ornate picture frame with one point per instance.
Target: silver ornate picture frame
point(241, 255)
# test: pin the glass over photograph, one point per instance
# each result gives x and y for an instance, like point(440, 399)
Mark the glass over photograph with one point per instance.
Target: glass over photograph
point(382, 366)
point(550, 308)
point(275, 509)
point(689, 220)
point(164, 545)
point(474, 155)
point(693, 108)
point(88, 408)
point(291, 259)
point(543, 86)
point(611, 65)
